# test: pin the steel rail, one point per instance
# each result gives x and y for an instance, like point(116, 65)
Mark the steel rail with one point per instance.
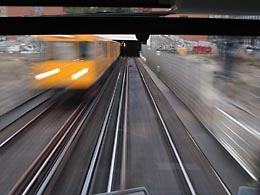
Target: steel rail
point(173, 147)
point(210, 165)
point(124, 147)
point(44, 151)
point(42, 187)
point(88, 178)
point(66, 148)
point(113, 158)
point(19, 111)
point(35, 96)
point(48, 150)
point(50, 156)
point(14, 135)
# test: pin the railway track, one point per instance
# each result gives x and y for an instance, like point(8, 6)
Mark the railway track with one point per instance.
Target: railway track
point(39, 174)
point(23, 109)
point(79, 161)
point(143, 149)
point(189, 186)
point(104, 176)
point(127, 137)
point(25, 145)
point(28, 117)
point(116, 165)
point(178, 137)
point(126, 153)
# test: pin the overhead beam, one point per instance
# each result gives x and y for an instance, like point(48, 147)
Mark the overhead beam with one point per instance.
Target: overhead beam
point(128, 25)
point(246, 7)
point(91, 3)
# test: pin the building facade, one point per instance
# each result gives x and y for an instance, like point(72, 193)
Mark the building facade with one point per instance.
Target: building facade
point(29, 11)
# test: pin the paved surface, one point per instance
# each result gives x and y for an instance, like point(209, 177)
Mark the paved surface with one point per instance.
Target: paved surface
point(149, 163)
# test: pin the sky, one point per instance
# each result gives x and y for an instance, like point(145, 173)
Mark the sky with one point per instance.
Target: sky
point(118, 37)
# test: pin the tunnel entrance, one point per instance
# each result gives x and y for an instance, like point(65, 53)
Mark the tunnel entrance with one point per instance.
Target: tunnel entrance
point(130, 48)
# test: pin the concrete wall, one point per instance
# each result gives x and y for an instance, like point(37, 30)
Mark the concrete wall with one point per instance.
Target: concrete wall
point(229, 110)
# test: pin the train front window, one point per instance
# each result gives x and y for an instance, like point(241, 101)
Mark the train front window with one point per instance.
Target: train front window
point(62, 50)
point(85, 50)
point(65, 50)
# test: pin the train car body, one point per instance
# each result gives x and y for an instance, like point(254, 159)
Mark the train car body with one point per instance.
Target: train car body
point(72, 61)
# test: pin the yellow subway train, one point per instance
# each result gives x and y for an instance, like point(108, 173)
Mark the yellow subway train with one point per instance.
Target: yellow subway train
point(72, 61)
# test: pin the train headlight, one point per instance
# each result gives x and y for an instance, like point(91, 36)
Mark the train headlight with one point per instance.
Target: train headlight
point(47, 74)
point(79, 74)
